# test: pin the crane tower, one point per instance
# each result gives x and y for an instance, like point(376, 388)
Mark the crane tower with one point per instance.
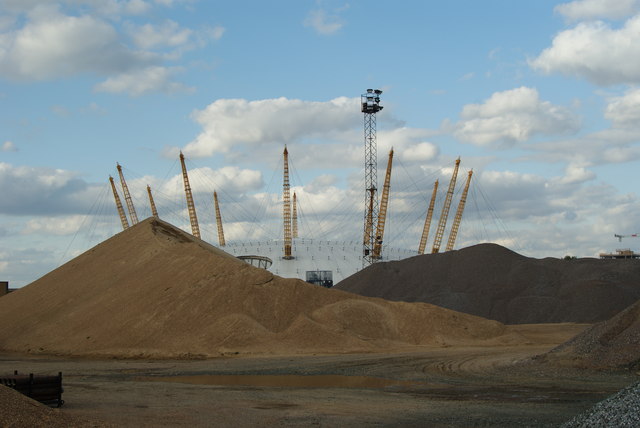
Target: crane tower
point(442, 222)
point(221, 240)
point(382, 215)
point(286, 207)
point(123, 216)
point(127, 197)
point(191, 207)
point(370, 105)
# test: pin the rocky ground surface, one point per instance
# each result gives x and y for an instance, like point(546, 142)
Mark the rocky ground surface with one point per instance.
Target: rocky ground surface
point(440, 387)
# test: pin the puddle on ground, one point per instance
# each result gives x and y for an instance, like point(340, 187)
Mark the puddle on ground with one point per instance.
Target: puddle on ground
point(286, 381)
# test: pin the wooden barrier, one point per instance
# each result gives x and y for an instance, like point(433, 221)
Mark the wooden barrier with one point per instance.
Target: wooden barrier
point(45, 389)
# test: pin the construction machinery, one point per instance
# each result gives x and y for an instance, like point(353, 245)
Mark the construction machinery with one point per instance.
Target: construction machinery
point(442, 222)
point(370, 105)
point(633, 235)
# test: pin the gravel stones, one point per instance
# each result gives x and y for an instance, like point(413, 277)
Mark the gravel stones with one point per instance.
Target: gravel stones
point(494, 282)
point(621, 410)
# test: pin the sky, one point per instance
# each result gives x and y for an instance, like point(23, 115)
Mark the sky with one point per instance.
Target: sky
point(540, 99)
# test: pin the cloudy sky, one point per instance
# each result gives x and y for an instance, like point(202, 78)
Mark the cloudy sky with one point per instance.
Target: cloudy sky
point(539, 98)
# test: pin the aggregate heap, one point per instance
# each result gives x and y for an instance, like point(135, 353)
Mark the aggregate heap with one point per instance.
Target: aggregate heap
point(493, 282)
point(614, 343)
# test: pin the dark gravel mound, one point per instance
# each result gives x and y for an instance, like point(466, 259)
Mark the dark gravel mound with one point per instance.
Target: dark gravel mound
point(621, 410)
point(614, 343)
point(496, 283)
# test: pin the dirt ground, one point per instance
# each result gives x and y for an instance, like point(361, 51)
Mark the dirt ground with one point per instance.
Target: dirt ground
point(451, 386)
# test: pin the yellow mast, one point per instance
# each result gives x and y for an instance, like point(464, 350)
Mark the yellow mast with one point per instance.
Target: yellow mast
point(127, 197)
point(427, 221)
point(154, 211)
point(382, 213)
point(195, 229)
point(294, 217)
point(218, 219)
point(286, 210)
point(442, 222)
point(456, 221)
point(123, 216)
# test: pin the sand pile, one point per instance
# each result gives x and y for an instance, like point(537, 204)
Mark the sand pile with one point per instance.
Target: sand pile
point(156, 291)
point(614, 343)
point(493, 282)
point(17, 410)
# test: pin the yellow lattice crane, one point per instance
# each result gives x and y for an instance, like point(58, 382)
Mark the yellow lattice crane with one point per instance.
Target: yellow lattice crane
point(218, 220)
point(427, 221)
point(154, 211)
point(127, 197)
point(286, 208)
point(442, 222)
point(456, 221)
point(294, 217)
point(123, 216)
point(382, 213)
point(191, 207)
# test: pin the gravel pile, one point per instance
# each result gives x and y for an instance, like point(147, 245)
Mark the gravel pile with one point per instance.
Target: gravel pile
point(618, 411)
point(614, 343)
point(17, 411)
point(494, 282)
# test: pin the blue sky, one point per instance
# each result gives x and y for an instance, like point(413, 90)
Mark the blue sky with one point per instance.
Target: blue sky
point(539, 98)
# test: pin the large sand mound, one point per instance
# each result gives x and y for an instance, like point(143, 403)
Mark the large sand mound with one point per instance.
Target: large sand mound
point(493, 282)
point(156, 291)
point(614, 343)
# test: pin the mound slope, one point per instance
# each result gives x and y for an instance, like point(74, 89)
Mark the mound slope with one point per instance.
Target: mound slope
point(493, 282)
point(17, 410)
point(614, 343)
point(156, 291)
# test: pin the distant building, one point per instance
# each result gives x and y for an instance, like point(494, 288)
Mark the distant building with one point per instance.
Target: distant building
point(4, 288)
point(625, 253)
point(320, 262)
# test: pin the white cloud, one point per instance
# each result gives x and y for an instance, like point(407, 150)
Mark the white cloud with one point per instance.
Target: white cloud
point(51, 45)
point(60, 110)
point(596, 52)
point(33, 191)
point(596, 9)
point(54, 225)
point(512, 116)
point(624, 111)
point(323, 23)
point(575, 173)
point(423, 151)
point(143, 81)
point(150, 36)
point(215, 33)
point(232, 123)
point(8, 146)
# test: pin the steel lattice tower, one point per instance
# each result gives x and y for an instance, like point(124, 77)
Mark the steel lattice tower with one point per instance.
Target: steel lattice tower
point(370, 105)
